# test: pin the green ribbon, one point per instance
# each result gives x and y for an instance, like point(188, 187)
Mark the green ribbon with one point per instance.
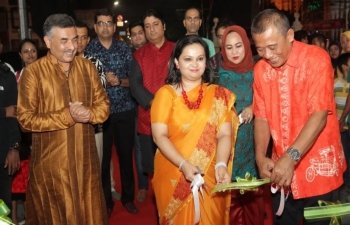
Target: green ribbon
point(333, 210)
point(4, 211)
point(248, 183)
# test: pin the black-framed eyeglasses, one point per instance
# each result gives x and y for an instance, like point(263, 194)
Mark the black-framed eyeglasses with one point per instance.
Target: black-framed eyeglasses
point(107, 24)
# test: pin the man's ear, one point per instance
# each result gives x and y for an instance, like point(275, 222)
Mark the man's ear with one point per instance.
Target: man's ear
point(164, 26)
point(290, 35)
point(88, 39)
point(47, 41)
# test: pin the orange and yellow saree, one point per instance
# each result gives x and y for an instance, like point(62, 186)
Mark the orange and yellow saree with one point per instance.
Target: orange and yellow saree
point(194, 134)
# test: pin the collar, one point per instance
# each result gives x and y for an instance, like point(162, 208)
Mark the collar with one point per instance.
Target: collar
point(293, 59)
point(54, 60)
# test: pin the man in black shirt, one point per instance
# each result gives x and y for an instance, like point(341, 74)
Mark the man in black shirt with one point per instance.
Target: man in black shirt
point(9, 132)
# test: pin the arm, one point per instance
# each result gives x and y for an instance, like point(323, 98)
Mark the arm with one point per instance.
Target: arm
point(223, 152)
point(284, 169)
point(138, 91)
point(320, 103)
point(28, 104)
point(262, 138)
point(345, 111)
point(160, 137)
point(12, 161)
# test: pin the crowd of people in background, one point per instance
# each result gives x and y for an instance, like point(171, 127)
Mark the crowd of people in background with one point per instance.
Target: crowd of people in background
point(188, 117)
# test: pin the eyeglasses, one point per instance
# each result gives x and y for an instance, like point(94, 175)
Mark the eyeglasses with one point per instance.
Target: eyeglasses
point(107, 24)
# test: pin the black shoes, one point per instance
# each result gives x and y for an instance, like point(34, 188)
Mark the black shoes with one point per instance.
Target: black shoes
point(131, 208)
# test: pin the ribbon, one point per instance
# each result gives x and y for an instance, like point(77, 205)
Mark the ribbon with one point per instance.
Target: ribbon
point(196, 186)
point(248, 183)
point(4, 211)
point(282, 199)
point(333, 210)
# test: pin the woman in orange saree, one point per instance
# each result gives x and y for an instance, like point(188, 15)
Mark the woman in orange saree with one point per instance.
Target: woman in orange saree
point(194, 126)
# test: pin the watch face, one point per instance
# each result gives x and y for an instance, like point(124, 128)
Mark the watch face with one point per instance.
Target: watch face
point(294, 154)
point(15, 145)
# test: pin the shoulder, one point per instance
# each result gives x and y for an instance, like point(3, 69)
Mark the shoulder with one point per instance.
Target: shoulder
point(166, 91)
point(208, 41)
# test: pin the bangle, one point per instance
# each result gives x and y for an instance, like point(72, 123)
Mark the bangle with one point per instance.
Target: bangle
point(181, 164)
point(217, 165)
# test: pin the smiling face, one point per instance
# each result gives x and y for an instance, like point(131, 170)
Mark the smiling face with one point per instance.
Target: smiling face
point(192, 62)
point(234, 48)
point(63, 44)
point(274, 46)
point(28, 53)
point(138, 38)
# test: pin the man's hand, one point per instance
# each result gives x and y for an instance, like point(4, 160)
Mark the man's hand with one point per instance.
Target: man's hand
point(265, 166)
point(11, 111)
point(12, 161)
point(341, 125)
point(79, 113)
point(282, 173)
point(112, 79)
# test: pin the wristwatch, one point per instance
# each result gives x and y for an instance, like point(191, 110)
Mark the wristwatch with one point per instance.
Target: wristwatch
point(294, 154)
point(15, 146)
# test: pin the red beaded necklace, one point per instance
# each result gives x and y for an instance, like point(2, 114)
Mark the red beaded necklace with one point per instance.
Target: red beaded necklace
point(192, 105)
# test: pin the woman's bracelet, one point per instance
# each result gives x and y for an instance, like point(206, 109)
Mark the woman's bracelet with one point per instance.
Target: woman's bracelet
point(220, 164)
point(181, 164)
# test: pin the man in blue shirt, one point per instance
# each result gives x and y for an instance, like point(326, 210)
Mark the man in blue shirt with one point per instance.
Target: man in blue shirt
point(116, 57)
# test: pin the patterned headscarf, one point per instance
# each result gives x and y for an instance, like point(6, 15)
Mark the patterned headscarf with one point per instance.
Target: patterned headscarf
point(247, 64)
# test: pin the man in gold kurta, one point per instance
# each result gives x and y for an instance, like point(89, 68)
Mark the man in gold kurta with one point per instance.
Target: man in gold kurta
point(60, 98)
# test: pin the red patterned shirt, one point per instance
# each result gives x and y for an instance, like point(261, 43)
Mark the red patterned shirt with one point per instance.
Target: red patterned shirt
point(286, 97)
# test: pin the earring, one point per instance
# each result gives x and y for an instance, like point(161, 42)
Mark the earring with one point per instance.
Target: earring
point(177, 66)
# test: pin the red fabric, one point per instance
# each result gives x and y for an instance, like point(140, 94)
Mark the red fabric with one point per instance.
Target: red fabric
point(18, 74)
point(286, 97)
point(153, 62)
point(247, 209)
point(20, 178)
point(247, 64)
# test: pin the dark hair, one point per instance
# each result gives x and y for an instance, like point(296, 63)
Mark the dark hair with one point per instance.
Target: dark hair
point(26, 40)
point(104, 12)
point(267, 17)
point(224, 23)
point(192, 7)
point(81, 24)
point(320, 37)
point(300, 34)
point(155, 13)
point(135, 24)
point(57, 20)
point(343, 60)
point(174, 75)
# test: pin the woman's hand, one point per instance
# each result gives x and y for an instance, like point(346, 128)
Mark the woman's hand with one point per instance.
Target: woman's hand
point(189, 171)
point(222, 176)
point(247, 114)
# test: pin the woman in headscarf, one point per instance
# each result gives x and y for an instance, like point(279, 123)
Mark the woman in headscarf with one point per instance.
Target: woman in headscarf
point(236, 74)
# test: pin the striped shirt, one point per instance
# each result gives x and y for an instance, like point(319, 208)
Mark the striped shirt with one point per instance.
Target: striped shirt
point(341, 90)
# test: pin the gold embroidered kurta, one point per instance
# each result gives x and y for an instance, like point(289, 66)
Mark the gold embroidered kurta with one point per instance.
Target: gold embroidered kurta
point(64, 185)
